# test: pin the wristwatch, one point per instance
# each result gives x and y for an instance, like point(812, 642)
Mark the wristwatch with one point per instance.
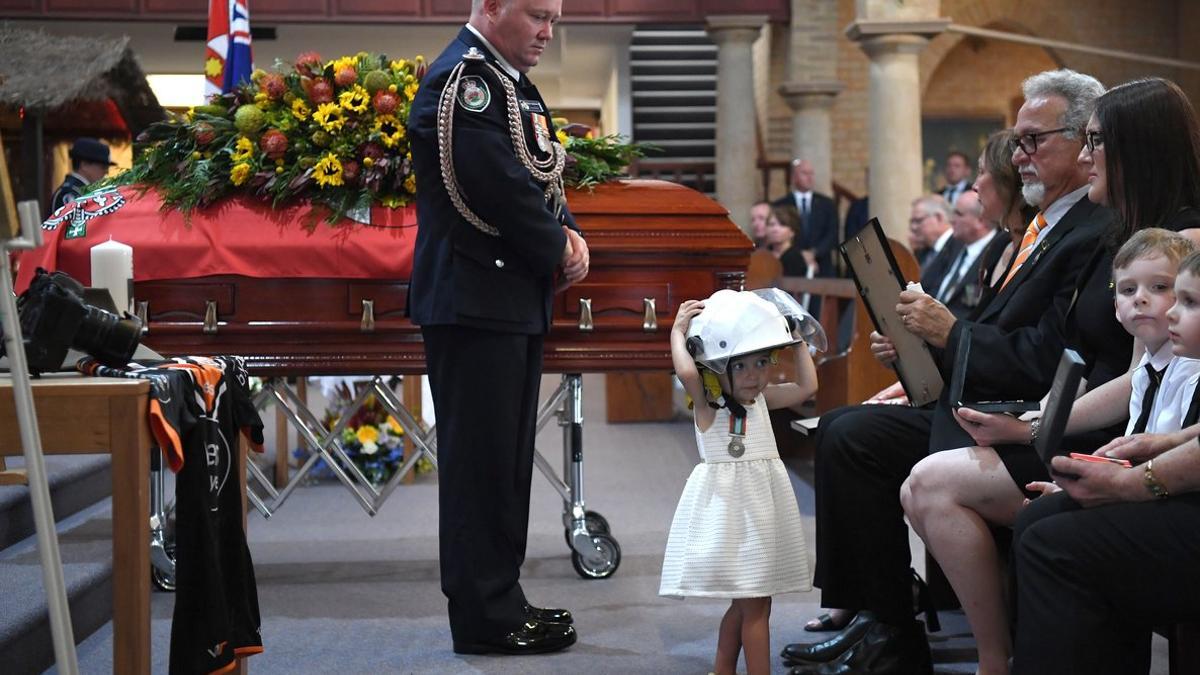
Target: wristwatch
point(1151, 482)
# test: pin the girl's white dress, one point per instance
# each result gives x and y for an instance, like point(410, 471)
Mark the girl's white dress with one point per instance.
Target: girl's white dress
point(737, 530)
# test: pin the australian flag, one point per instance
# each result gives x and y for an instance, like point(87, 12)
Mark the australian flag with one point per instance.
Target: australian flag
point(227, 60)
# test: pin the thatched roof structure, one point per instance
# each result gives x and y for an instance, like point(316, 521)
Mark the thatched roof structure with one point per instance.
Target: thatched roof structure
point(56, 74)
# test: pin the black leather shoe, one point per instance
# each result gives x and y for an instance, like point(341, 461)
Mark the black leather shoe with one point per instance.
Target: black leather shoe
point(548, 615)
point(535, 637)
point(828, 650)
point(884, 650)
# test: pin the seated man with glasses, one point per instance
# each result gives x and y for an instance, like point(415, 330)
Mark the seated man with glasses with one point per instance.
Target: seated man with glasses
point(864, 453)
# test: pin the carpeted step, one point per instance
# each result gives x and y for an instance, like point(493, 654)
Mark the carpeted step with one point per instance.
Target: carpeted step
point(85, 544)
point(76, 482)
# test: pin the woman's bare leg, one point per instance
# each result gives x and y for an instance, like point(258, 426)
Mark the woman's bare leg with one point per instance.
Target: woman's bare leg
point(950, 498)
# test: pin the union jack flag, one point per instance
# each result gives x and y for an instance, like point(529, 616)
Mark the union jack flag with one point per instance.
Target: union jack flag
point(227, 60)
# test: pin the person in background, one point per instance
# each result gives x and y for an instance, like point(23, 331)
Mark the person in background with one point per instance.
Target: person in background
point(782, 230)
point(960, 290)
point(930, 233)
point(999, 188)
point(958, 176)
point(818, 215)
point(758, 223)
point(90, 161)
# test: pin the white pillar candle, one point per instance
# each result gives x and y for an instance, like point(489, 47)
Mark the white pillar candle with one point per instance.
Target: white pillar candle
point(112, 268)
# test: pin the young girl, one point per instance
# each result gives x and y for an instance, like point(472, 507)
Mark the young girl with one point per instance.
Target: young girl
point(737, 531)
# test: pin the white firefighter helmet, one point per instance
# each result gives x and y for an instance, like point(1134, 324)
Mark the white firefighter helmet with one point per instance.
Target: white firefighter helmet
point(737, 323)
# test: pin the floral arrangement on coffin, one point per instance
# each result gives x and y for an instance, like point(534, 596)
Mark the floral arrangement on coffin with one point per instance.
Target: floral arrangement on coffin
point(329, 132)
point(372, 438)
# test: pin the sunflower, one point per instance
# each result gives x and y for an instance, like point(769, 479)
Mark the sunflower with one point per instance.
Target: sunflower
point(239, 173)
point(355, 99)
point(300, 109)
point(330, 117)
point(389, 129)
point(243, 151)
point(328, 171)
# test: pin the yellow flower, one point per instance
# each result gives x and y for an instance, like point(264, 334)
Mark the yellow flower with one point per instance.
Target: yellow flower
point(410, 183)
point(257, 74)
point(562, 136)
point(410, 90)
point(328, 171)
point(239, 173)
point(367, 161)
point(389, 129)
point(191, 114)
point(345, 62)
point(420, 59)
point(300, 109)
point(394, 426)
point(355, 99)
point(244, 149)
point(367, 434)
point(399, 65)
point(330, 117)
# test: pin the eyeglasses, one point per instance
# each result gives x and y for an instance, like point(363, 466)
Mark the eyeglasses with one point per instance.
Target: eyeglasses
point(1028, 143)
point(1093, 140)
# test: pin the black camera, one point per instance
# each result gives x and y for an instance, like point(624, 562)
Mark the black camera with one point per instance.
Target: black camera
point(55, 316)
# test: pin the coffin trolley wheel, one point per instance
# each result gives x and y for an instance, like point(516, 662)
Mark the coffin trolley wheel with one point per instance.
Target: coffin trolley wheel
point(163, 580)
point(600, 563)
point(595, 523)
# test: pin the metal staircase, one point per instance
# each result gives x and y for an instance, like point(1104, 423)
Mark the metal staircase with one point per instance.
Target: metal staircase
point(674, 90)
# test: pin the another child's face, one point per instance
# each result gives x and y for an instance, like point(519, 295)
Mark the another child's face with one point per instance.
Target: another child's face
point(1145, 291)
point(1184, 317)
point(749, 375)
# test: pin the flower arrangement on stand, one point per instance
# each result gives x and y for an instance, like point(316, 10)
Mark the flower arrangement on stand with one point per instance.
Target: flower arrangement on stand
point(372, 438)
point(329, 132)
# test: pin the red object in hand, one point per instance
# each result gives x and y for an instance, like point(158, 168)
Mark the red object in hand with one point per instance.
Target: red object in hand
point(1098, 458)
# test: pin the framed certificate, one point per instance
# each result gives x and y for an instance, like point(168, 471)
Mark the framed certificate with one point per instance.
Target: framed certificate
point(879, 282)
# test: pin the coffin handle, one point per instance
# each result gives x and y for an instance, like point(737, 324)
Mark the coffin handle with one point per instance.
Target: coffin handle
point(143, 315)
point(585, 315)
point(368, 317)
point(650, 316)
point(210, 317)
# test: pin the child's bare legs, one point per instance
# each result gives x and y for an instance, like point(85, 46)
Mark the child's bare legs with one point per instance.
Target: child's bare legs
point(729, 640)
point(950, 497)
point(745, 626)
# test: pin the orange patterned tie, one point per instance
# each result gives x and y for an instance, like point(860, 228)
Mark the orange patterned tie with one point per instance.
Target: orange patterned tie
point(1027, 242)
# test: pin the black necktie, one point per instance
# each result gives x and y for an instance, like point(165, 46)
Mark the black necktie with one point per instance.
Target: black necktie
point(951, 279)
point(1148, 398)
point(804, 206)
point(1193, 412)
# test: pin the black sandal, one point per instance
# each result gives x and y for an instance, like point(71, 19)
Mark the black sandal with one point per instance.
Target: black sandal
point(825, 623)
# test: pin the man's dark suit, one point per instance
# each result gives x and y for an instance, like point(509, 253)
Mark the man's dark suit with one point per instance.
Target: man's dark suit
point(939, 265)
point(483, 303)
point(864, 453)
point(819, 231)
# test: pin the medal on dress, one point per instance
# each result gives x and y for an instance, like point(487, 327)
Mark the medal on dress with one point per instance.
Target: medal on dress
point(541, 131)
point(737, 431)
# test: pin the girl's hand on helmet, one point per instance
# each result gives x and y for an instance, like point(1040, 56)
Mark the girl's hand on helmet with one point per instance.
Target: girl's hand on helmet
point(687, 311)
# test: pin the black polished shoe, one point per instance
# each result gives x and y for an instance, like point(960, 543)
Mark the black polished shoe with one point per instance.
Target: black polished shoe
point(828, 650)
point(535, 637)
point(548, 615)
point(884, 650)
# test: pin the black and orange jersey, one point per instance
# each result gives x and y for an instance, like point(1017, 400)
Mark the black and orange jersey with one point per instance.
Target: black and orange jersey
point(198, 406)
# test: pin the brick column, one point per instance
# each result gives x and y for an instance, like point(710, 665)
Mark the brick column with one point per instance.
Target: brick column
point(895, 114)
point(737, 151)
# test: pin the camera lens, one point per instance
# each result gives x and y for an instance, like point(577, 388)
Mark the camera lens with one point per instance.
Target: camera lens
point(107, 337)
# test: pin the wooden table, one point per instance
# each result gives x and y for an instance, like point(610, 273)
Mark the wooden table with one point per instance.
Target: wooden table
point(79, 415)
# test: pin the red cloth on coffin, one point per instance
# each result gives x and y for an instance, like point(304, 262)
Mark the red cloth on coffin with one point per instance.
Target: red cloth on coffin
point(237, 236)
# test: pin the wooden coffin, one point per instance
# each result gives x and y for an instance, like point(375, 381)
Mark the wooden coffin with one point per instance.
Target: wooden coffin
point(653, 245)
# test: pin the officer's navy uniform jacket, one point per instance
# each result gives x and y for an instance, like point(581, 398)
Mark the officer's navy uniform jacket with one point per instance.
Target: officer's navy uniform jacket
point(483, 303)
point(71, 188)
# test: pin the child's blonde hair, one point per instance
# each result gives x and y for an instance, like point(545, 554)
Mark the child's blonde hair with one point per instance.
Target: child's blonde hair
point(1151, 243)
point(1191, 264)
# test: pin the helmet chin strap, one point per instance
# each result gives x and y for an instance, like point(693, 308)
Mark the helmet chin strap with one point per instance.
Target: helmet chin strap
point(735, 406)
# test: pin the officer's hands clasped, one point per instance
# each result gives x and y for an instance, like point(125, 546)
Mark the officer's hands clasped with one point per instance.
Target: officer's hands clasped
point(575, 258)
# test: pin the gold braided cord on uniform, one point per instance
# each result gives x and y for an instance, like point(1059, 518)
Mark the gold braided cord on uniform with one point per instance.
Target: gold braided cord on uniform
point(445, 130)
point(548, 171)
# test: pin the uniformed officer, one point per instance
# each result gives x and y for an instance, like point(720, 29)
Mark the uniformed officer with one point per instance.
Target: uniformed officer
point(494, 240)
point(89, 163)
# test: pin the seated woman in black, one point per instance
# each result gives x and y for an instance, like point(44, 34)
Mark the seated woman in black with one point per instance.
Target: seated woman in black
point(783, 229)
